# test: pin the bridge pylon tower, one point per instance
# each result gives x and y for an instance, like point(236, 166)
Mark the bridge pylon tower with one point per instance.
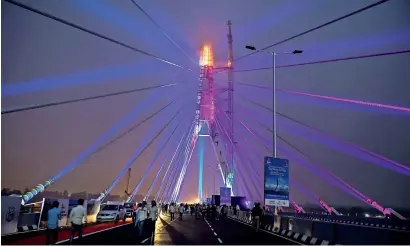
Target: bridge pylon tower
point(230, 176)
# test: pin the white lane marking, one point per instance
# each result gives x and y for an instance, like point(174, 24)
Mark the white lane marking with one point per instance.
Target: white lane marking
point(216, 235)
point(95, 232)
point(268, 232)
point(143, 241)
point(166, 225)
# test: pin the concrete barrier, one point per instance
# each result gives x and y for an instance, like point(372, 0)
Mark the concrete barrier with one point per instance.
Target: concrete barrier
point(245, 217)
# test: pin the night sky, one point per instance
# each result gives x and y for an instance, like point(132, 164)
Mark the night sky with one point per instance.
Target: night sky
point(43, 61)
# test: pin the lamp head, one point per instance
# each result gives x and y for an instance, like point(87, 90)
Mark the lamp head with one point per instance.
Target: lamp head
point(297, 51)
point(249, 47)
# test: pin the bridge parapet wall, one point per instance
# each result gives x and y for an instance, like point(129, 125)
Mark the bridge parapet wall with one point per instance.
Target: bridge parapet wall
point(335, 229)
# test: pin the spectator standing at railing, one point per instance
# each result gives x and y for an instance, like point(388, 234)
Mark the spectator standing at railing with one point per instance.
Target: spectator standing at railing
point(53, 218)
point(77, 216)
point(256, 213)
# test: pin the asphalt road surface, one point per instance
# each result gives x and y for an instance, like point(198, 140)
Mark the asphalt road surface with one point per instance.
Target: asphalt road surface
point(188, 231)
point(234, 232)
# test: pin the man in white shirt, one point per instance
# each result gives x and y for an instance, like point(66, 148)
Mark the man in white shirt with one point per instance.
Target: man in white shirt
point(141, 215)
point(153, 215)
point(77, 215)
point(172, 211)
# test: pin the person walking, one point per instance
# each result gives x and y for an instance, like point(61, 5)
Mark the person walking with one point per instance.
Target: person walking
point(53, 218)
point(181, 211)
point(172, 211)
point(134, 213)
point(197, 212)
point(140, 219)
point(256, 213)
point(213, 211)
point(153, 215)
point(218, 212)
point(237, 209)
point(192, 210)
point(77, 216)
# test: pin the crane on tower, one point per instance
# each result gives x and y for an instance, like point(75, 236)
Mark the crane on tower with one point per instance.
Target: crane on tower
point(224, 165)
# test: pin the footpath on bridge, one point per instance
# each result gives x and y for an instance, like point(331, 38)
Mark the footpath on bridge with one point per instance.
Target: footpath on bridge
point(189, 231)
point(39, 238)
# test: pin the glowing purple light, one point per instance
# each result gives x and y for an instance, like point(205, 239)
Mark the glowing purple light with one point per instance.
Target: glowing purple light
point(345, 100)
point(348, 100)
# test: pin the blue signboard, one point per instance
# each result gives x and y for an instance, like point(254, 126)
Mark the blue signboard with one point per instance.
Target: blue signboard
point(225, 195)
point(276, 182)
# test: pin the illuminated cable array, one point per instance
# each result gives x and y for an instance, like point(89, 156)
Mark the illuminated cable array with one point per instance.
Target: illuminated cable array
point(293, 203)
point(98, 145)
point(65, 22)
point(52, 104)
point(320, 26)
point(328, 60)
point(327, 174)
point(138, 152)
point(150, 165)
point(385, 162)
point(162, 30)
point(164, 187)
point(165, 160)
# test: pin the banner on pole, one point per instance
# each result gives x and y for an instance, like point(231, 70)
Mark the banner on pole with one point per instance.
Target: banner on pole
point(63, 206)
point(225, 196)
point(276, 183)
point(10, 212)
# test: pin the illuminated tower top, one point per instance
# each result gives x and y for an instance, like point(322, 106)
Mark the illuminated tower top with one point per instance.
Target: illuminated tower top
point(207, 57)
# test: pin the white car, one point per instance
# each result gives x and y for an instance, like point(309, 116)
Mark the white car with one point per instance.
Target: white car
point(111, 212)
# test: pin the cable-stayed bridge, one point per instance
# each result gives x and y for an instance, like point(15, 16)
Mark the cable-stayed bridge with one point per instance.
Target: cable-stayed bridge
point(216, 109)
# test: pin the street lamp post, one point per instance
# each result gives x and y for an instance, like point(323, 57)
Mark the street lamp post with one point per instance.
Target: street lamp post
point(274, 54)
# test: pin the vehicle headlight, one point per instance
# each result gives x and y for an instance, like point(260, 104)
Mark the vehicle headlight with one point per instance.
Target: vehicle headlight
point(113, 214)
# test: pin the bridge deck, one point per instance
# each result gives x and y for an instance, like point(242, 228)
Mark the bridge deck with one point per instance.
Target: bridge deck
point(188, 231)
